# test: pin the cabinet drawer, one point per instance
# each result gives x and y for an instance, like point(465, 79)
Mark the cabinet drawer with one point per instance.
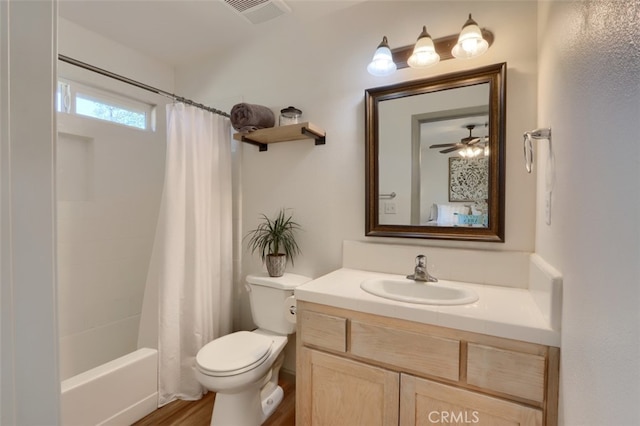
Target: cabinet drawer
point(323, 331)
point(434, 356)
point(514, 373)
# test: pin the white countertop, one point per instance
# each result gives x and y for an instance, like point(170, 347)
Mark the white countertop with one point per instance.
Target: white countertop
point(500, 311)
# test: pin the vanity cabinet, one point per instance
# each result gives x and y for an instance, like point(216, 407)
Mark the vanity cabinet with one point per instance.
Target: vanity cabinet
point(355, 368)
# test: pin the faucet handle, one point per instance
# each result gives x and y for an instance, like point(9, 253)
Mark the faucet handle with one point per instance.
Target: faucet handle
point(421, 260)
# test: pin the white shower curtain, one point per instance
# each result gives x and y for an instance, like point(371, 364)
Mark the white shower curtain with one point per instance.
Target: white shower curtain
point(191, 263)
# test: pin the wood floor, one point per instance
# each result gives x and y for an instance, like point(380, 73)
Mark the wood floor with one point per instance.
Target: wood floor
point(198, 413)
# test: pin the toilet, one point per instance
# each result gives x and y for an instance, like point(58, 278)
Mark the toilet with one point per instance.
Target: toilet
point(243, 367)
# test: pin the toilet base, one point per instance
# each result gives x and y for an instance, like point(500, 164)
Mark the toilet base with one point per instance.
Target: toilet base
point(271, 401)
point(246, 408)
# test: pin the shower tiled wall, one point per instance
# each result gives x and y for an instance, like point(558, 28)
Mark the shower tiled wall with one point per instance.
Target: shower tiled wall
point(109, 182)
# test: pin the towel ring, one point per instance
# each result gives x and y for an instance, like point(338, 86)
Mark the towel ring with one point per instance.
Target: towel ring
point(528, 144)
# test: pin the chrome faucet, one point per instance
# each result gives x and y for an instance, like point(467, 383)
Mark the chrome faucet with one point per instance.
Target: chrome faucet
point(421, 273)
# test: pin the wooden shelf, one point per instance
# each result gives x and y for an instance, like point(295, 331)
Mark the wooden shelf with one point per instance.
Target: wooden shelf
point(293, 132)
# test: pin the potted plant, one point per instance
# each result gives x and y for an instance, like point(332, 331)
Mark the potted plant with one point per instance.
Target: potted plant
point(275, 240)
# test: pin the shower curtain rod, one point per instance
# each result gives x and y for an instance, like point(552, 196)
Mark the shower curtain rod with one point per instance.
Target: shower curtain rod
point(118, 77)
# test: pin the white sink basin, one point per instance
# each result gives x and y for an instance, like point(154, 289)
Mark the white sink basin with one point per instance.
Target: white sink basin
point(405, 290)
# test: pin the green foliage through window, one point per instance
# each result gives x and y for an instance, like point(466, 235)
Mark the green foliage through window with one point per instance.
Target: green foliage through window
point(103, 111)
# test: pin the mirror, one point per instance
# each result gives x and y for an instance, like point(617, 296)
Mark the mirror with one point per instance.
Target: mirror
point(435, 155)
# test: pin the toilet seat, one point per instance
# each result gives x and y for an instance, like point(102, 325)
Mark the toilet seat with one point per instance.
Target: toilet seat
point(234, 354)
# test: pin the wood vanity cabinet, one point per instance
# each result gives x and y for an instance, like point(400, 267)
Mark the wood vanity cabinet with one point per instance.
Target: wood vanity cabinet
point(355, 369)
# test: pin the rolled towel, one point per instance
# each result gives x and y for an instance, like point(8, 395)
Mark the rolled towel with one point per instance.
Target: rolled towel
point(248, 117)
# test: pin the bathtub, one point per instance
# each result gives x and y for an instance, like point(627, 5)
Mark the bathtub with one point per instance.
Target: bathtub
point(119, 392)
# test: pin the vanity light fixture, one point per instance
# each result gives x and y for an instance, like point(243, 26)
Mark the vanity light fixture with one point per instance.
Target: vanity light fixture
point(470, 43)
point(382, 63)
point(424, 53)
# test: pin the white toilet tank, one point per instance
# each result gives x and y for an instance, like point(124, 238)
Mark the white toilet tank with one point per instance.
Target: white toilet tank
point(267, 296)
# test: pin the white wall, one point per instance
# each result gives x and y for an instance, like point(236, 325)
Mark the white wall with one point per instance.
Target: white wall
point(320, 67)
point(589, 93)
point(30, 389)
point(87, 46)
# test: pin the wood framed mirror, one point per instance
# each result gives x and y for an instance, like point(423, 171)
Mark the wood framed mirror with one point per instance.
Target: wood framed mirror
point(435, 157)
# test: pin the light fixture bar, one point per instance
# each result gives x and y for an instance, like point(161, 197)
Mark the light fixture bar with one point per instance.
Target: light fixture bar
point(443, 47)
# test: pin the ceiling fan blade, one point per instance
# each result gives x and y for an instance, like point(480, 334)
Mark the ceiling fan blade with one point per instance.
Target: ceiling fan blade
point(455, 148)
point(443, 145)
point(464, 143)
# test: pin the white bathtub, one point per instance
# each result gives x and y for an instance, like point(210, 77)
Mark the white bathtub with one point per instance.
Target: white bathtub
point(119, 392)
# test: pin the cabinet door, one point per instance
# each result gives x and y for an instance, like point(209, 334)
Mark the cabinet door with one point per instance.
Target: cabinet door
point(424, 402)
point(338, 391)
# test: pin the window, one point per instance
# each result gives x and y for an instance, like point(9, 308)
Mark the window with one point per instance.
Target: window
point(75, 98)
point(91, 107)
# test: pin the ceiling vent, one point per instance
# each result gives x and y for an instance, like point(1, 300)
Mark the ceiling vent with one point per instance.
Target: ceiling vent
point(258, 11)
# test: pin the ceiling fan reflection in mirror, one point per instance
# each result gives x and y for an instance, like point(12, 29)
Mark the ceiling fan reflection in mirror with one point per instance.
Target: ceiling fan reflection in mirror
point(471, 146)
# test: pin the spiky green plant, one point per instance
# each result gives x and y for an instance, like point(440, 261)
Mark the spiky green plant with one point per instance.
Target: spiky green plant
point(275, 235)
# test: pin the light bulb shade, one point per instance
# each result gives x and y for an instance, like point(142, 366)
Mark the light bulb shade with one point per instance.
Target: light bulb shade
point(424, 53)
point(470, 42)
point(382, 63)
point(471, 152)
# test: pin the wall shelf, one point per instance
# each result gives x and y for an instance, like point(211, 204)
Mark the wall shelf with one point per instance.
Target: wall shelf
point(293, 132)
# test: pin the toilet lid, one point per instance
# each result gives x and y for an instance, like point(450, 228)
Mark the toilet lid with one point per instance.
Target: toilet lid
point(234, 353)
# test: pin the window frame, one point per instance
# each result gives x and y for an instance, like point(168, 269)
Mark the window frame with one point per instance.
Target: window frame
point(69, 91)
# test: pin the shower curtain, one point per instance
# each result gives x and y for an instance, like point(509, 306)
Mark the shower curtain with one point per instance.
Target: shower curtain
point(190, 271)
